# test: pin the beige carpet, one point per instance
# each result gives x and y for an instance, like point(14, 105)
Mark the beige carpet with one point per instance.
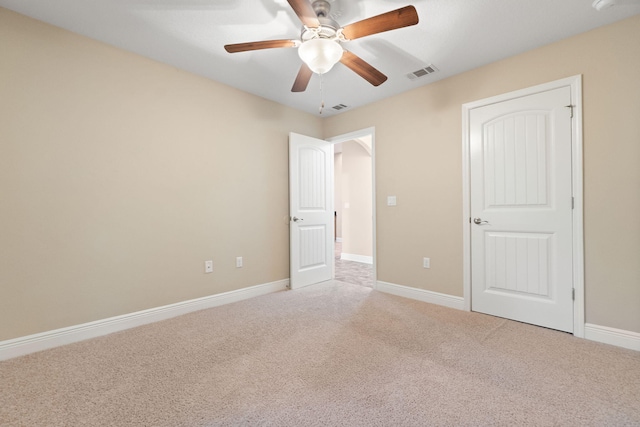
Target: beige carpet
point(328, 355)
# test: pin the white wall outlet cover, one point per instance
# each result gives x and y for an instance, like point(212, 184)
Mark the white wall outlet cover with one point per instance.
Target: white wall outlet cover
point(391, 201)
point(426, 262)
point(239, 262)
point(208, 266)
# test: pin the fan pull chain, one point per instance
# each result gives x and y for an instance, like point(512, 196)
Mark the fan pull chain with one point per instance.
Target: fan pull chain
point(321, 93)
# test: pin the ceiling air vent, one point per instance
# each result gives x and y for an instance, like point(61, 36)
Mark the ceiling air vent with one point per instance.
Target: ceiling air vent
point(429, 69)
point(339, 107)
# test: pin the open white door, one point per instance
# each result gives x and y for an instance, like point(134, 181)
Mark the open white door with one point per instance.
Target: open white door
point(310, 210)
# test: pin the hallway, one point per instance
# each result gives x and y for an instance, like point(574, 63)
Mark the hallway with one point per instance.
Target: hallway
point(356, 273)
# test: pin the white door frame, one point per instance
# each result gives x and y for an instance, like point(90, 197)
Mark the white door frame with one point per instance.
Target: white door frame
point(575, 84)
point(348, 137)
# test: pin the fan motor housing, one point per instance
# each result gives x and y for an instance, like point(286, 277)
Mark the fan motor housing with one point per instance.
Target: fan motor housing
point(322, 8)
point(327, 30)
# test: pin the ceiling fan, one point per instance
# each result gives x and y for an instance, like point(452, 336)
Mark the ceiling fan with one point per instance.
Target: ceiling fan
point(319, 45)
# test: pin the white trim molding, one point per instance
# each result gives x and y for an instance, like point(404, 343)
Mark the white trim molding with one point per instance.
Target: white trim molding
point(421, 295)
point(575, 84)
point(613, 336)
point(55, 338)
point(357, 258)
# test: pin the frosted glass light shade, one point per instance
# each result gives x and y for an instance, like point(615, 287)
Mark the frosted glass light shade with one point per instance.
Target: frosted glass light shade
point(320, 55)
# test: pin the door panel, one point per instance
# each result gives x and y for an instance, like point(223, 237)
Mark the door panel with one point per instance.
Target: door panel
point(311, 210)
point(518, 263)
point(312, 246)
point(521, 239)
point(515, 160)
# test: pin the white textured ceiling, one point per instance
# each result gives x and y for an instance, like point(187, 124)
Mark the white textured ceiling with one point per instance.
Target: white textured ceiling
point(453, 35)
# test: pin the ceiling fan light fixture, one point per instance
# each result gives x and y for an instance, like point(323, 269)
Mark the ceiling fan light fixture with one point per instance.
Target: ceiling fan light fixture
point(320, 54)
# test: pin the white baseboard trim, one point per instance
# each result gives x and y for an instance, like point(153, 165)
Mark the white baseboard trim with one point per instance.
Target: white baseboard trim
point(57, 337)
point(421, 295)
point(357, 258)
point(613, 336)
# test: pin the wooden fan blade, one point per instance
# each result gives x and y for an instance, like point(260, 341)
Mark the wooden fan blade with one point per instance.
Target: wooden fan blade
point(363, 69)
point(399, 18)
point(302, 79)
point(266, 44)
point(305, 12)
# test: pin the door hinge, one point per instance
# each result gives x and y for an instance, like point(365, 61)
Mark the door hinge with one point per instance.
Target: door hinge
point(573, 203)
point(571, 109)
point(573, 294)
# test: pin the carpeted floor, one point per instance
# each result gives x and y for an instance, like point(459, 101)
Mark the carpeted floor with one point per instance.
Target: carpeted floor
point(332, 354)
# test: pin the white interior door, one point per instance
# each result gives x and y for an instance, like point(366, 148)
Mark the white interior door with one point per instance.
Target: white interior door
point(521, 202)
point(310, 210)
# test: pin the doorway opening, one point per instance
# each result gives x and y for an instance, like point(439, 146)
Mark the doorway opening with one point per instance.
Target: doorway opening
point(354, 208)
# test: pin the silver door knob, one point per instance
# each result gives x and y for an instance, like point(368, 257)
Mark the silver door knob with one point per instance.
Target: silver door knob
point(479, 221)
point(296, 219)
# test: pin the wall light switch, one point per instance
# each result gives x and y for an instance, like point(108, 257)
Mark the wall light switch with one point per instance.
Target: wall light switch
point(426, 262)
point(391, 201)
point(238, 262)
point(208, 266)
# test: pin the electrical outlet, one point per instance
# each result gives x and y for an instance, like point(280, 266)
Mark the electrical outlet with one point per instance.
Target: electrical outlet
point(239, 262)
point(208, 266)
point(426, 262)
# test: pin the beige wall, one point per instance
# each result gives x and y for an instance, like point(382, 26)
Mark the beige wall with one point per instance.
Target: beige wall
point(418, 158)
point(119, 176)
point(357, 221)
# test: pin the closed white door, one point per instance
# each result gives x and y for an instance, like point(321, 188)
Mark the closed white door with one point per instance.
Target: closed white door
point(310, 210)
point(521, 202)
